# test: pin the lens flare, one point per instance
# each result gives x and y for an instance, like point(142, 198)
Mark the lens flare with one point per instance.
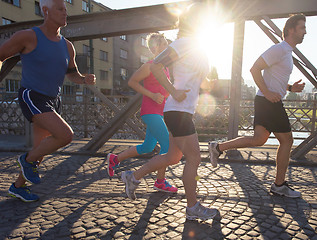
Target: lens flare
point(206, 105)
point(176, 8)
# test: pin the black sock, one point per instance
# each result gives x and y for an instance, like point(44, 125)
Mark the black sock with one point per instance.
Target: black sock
point(217, 147)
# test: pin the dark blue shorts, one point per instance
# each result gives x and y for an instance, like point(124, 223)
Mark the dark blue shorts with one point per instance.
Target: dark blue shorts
point(32, 103)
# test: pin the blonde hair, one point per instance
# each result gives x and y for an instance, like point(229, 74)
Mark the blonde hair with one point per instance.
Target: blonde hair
point(153, 40)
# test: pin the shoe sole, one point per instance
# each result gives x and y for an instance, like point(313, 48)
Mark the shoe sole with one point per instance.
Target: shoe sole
point(124, 179)
point(108, 162)
point(20, 197)
point(161, 190)
point(22, 170)
point(200, 218)
point(213, 164)
point(283, 195)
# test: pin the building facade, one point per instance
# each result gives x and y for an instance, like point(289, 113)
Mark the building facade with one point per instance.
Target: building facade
point(129, 53)
point(112, 60)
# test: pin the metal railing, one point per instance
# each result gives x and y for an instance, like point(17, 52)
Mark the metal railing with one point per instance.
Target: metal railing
point(86, 114)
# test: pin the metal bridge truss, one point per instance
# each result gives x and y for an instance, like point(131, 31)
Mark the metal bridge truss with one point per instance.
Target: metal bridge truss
point(157, 18)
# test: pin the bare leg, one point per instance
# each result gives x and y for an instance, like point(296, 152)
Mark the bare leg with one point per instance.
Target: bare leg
point(131, 152)
point(160, 161)
point(189, 145)
point(258, 139)
point(61, 134)
point(38, 135)
point(50, 133)
point(283, 155)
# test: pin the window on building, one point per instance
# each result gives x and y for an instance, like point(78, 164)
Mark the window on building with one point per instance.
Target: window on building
point(124, 73)
point(37, 8)
point(12, 85)
point(104, 39)
point(86, 50)
point(6, 21)
point(143, 42)
point(144, 59)
point(123, 54)
point(103, 75)
point(85, 6)
point(13, 2)
point(67, 89)
point(103, 55)
point(69, 1)
point(123, 37)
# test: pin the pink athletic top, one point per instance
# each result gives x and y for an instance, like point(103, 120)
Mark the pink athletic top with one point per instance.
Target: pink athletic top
point(148, 105)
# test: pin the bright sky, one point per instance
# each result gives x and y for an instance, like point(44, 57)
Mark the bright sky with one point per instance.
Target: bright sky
point(255, 42)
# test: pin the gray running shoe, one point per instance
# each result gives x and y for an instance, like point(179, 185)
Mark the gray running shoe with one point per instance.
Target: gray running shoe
point(130, 185)
point(201, 212)
point(285, 190)
point(213, 153)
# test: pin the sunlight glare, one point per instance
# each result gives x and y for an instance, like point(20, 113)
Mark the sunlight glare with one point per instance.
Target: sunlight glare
point(216, 39)
point(206, 105)
point(176, 8)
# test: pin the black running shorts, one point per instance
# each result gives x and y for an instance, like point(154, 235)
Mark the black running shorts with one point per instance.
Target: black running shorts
point(270, 115)
point(180, 124)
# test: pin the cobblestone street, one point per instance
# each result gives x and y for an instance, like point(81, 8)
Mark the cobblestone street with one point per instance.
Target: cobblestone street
point(78, 200)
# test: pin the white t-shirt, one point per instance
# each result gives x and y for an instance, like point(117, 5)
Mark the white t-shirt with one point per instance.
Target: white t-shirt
point(189, 71)
point(280, 65)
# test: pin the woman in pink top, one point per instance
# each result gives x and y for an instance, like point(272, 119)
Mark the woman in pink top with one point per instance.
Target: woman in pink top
point(154, 96)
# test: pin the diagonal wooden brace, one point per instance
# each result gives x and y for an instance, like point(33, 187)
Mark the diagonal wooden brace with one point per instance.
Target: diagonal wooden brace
point(114, 124)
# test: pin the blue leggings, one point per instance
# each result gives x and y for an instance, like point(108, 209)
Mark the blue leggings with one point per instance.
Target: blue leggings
point(156, 131)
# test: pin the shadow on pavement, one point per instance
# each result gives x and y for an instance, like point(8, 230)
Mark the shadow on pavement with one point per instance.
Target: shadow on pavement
point(154, 201)
point(19, 211)
point(194, 230)
point(268, 209)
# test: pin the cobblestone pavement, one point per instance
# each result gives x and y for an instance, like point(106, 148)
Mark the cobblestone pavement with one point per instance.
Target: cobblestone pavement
point(79, 201)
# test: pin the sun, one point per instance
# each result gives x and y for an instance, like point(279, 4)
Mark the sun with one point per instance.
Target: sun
point(215, 37)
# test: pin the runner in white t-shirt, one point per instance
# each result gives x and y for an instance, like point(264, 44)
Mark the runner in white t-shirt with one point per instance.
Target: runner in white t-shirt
point(190, 68)
point(269, 113)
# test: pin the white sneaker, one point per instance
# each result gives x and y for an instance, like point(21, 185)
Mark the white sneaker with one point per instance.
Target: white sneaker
point(130, 185)
point(285, 190)
point(201, 212)
point(213, 153)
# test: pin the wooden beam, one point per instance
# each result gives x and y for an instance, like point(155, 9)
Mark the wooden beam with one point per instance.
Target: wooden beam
point(236, 79)
point(159, 17)
point(114, 124)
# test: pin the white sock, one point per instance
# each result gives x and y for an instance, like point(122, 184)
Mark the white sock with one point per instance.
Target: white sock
point(193, 207)
point(134, 180)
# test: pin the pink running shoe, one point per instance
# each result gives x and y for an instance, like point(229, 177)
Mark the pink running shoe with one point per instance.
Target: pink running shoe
point(112, 164)
point(164, 187)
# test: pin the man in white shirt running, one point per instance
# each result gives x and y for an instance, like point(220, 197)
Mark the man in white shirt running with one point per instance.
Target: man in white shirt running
point(269, 113)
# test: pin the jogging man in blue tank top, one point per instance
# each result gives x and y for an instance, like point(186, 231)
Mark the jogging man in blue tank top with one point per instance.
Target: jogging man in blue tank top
point(46, 58)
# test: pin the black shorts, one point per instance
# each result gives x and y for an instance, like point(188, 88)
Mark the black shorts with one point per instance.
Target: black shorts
point(180, 124)
point(32, 103)
point(270, 115)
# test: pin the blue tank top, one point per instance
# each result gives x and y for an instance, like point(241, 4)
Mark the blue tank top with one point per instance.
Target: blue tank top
point(44, 69)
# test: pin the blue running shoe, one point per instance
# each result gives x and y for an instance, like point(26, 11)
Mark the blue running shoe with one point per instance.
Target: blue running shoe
point(23, 193)
point(29, 170)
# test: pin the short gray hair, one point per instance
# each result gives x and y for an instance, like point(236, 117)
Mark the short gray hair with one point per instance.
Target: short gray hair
point(46, 3)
